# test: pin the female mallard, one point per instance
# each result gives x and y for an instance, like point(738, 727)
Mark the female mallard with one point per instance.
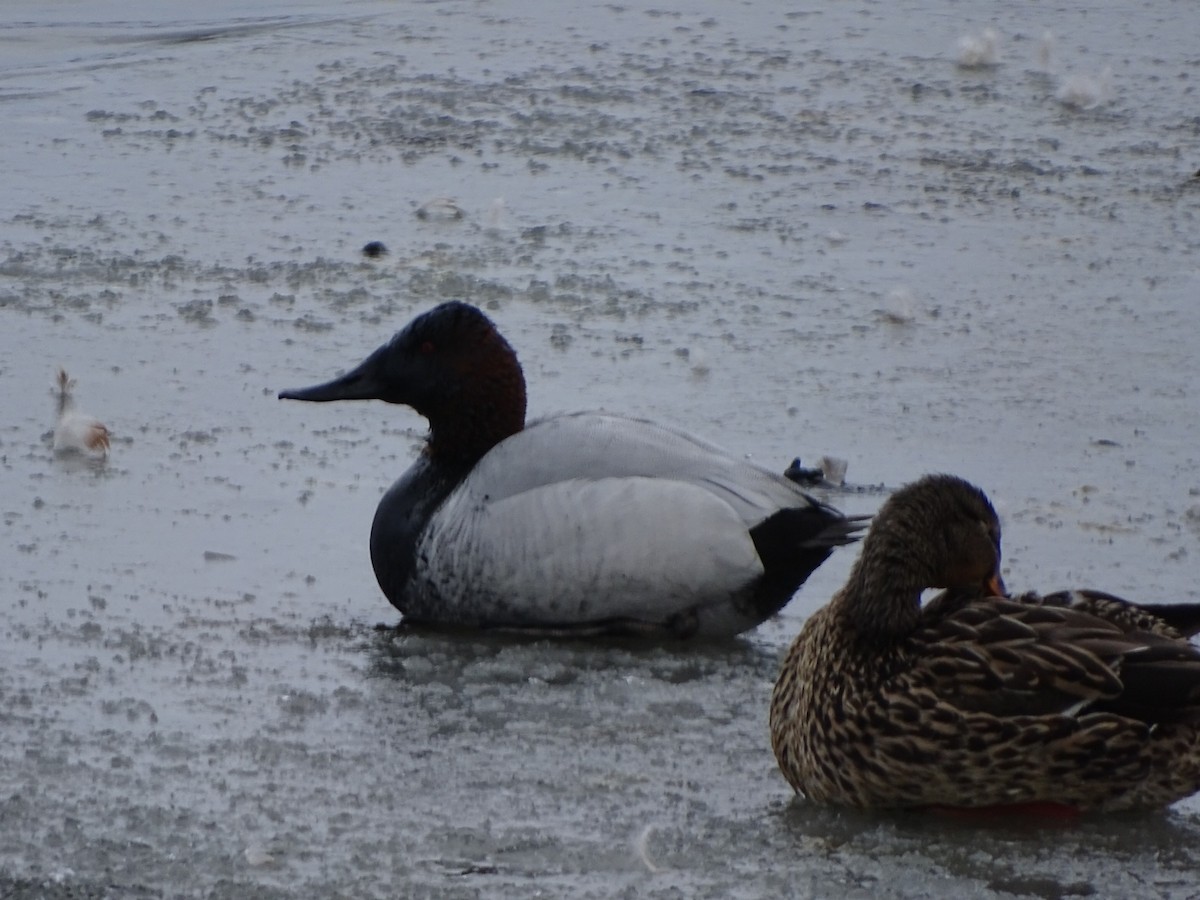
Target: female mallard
point(1077, 700)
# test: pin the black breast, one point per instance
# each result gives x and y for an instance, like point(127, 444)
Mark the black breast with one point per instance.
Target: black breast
point(402, 515)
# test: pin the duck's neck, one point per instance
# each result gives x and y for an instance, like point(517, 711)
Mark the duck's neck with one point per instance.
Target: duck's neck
point(462, 430)
point(882, 597)
point(461, 441)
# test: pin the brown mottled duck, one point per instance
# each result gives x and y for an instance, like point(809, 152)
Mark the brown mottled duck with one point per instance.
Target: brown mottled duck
point(1077, 701)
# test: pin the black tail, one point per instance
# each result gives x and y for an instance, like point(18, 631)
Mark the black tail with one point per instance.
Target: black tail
point(791, 535)
point(792, 543)
point(843, 530)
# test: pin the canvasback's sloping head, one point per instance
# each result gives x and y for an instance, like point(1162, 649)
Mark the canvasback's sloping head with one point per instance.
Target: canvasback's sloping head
point(452, 366)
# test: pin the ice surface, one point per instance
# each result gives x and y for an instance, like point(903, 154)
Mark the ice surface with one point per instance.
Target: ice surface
point(793, 232)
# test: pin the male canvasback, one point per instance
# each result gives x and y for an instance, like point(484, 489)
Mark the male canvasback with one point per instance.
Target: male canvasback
point(76, 432)
point(575, 524)
point(1069, 703)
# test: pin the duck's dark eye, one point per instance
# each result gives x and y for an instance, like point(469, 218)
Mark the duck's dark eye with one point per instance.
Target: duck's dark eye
point(426, 348)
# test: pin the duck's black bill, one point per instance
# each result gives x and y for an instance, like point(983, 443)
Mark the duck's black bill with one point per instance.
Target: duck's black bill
point(357, 384)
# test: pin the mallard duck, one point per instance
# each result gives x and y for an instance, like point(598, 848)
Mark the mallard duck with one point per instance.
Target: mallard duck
point(1079, 700)
point(76, 432)
point(576, 524)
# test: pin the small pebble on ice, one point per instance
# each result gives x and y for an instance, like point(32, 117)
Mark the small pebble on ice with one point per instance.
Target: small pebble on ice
point(443, 209)
point(258, 855)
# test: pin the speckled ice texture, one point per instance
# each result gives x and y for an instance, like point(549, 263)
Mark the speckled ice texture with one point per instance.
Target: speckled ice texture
point(794, 229)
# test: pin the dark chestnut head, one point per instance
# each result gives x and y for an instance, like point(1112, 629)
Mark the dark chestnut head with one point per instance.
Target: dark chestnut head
point(453, 367)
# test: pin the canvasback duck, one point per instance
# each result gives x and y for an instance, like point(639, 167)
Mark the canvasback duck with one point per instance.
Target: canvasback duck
point(576, 524)
point(1058, 705)
point(75, 431)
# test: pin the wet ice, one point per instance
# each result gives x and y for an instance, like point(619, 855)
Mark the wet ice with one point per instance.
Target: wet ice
point(798, 232)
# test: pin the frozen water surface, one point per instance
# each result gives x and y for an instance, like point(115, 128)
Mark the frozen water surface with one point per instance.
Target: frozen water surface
point(794, 231)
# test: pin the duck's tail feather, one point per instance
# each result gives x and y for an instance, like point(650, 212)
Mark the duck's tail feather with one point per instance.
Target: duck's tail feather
point(839, 532)
point(794, 541)
point(791, 544)
point(1183, 617)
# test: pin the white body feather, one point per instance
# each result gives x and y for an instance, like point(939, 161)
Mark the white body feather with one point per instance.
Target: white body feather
point(591, 516)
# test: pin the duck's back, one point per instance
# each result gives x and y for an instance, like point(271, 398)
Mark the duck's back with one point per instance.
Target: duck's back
point(596, 445)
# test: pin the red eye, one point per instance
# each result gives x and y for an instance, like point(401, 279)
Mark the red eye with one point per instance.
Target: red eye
point(426, 348)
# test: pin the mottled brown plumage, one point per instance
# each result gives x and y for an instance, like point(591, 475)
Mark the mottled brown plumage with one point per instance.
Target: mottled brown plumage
point(1077, 698)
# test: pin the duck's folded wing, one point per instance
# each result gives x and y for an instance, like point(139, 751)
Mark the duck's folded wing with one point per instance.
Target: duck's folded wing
point(1166, 619)
point(642, 549)
point(596, 445)
point(1169, 620)
point(1011, 658)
